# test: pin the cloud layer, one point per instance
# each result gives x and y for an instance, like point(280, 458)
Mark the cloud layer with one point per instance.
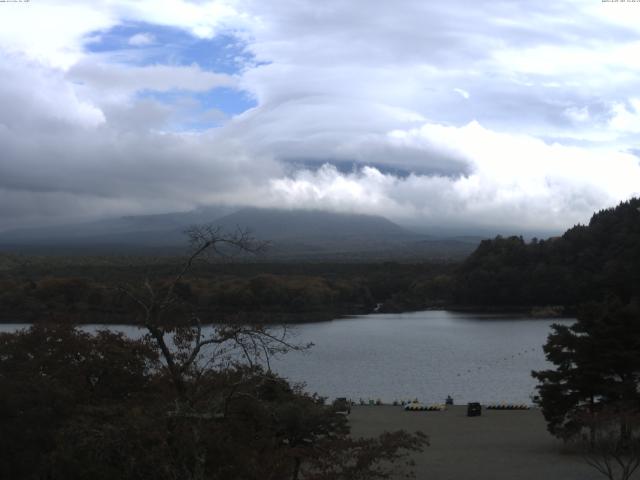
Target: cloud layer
point(500, 114)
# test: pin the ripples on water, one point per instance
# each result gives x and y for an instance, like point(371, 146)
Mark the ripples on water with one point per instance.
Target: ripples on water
point(425, 355)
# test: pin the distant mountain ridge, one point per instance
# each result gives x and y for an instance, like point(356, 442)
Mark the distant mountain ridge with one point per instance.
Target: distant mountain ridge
point(278, 224)
point(292, 234)
point(165, 229)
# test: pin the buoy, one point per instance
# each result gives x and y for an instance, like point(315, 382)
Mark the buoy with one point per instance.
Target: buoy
point(416, 407)
point(508, 406)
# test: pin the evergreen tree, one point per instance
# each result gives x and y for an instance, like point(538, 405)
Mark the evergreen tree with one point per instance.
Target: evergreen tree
point(587, 262)
point(597, 362)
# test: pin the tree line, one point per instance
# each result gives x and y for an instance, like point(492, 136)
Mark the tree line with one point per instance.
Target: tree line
point(587, 262)
point(276, 292)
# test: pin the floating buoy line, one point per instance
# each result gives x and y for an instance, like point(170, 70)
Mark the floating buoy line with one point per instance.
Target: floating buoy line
point(497, 363)
point(508, 406)
point(417, 407)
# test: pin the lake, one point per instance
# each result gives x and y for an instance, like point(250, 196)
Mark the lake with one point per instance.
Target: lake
point(426, 355)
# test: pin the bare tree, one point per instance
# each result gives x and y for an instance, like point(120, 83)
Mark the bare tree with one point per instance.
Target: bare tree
point(181, 341)
point(188, 353)
point(211, 366)
point(612, 444)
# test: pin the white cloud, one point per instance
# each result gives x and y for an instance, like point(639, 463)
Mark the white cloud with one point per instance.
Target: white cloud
point(63, 157)
point(54, 31)
point(578, 114)
point(378, 96)
point(34, 97)
point(463, 93)
point(106, 77)
point(51, 32)
point(203, 18)
point(516, 181)
point(626, 118)
point(625, 14)
point(142, 39)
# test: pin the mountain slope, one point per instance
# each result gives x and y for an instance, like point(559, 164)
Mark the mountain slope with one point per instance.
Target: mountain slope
point(142, 230)
point(293, 234)
point(277, 224)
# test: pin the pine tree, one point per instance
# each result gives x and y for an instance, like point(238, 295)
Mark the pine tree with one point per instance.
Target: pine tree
point(597, 362)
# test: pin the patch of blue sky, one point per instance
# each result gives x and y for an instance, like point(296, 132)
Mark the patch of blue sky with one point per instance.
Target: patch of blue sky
point(348, 166)
point(227, 100)
point(223, 53)
point(172, 46)
point(203, 110)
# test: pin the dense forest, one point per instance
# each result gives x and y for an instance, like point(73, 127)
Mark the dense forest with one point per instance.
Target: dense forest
point(36, 289)
point(588, 262)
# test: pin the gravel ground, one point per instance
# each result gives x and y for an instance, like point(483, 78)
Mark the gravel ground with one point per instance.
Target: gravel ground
point(498, 445)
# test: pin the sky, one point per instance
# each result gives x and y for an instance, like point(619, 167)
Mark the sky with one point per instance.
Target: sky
point(510, 115)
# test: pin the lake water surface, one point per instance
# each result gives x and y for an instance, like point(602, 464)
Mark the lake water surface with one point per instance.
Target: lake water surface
point(426, 355)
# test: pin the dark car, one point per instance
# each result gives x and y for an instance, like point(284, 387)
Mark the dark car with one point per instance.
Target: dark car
point(474, 409)
point(342, 405)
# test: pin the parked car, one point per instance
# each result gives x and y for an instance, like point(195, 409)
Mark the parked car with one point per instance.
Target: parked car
point(474, 409)
point(342, 405)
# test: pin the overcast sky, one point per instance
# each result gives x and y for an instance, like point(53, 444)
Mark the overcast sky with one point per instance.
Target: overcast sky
point(507, 114)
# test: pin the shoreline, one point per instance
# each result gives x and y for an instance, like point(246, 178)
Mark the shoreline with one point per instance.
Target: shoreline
point(294, 318)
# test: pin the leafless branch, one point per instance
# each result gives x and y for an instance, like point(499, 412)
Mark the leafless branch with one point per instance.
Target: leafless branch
point(613, 446)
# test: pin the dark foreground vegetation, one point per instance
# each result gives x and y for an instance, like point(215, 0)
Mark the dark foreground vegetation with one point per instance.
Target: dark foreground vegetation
point(591, 398)
point(176, 404)
point(80, 406)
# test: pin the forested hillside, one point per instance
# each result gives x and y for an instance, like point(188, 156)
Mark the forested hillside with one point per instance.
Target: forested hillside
point(588, 262)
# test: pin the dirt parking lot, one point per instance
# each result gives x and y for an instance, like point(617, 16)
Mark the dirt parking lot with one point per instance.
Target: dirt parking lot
point(509, 445)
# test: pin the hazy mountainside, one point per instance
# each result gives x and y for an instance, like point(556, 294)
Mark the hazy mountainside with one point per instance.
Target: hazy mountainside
point(312, 224)
point(316, 234)
point(168, 228)
point(589, 262)
point(149, 230)
point(293, 234)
